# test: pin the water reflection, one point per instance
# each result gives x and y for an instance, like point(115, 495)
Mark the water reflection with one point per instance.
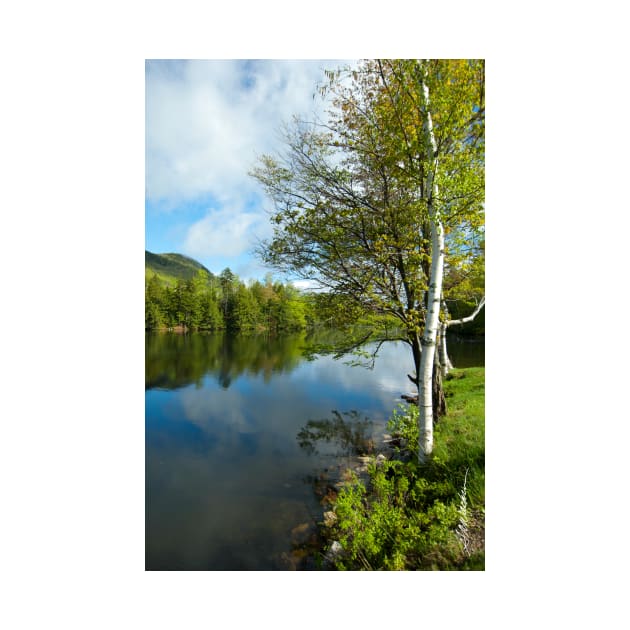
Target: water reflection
point(353, 435)
point(174, 360)
point(224, 471)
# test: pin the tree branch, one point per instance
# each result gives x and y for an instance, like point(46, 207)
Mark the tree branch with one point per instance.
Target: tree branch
point(465, 320)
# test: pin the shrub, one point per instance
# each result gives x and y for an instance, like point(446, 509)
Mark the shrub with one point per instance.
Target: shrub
point(410, 515)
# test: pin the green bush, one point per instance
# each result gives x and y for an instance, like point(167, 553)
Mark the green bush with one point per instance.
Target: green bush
point(407, 517)
point(405, 522)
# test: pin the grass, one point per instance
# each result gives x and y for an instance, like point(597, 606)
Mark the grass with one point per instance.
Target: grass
point(459, 437)
point(422, 517)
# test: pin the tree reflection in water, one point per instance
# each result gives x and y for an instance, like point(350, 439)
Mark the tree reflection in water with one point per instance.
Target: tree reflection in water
point(175, 360)
point(353, 435)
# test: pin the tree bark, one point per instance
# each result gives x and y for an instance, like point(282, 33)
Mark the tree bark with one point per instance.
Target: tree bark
point(429, 337)
point(438, 397)
point(445, 362)
point(417, 354)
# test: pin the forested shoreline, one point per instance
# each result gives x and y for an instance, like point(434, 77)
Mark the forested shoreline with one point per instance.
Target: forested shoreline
point(207, 302)
point(224, 302)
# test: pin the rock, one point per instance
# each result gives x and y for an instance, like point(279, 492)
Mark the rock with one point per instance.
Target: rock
point(327, 494)
point(380, 458)
point(396, 441)
point(335, 551)
point(330, 518)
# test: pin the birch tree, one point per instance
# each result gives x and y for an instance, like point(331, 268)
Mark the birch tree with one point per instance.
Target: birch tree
point(367, 201)
point(429, 338)
point(439, 106)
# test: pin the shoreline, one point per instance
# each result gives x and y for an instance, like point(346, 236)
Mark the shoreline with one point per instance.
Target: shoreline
point(464, 545)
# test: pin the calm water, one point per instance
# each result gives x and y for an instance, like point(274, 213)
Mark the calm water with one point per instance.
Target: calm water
point(226, 477)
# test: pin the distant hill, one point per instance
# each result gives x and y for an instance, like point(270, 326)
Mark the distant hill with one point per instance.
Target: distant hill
point(171, 267)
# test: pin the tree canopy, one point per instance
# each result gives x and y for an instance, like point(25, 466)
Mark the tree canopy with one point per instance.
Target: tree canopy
point(224, 302)
point(350, 205)
point(377, 201)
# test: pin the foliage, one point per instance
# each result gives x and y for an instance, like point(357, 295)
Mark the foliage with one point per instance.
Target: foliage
point(406, 522)
point(171, 267)
point(464, 286)
point(207, 302)
point(410, 515)
point(351, 195)
point(403, 425)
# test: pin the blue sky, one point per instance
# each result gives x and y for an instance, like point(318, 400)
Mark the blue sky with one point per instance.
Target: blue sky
point(206, 123)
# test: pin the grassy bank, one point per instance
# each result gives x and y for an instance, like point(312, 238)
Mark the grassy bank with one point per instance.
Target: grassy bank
point(412, 517)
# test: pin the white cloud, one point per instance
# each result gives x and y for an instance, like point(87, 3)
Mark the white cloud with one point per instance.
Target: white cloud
point(306, 285)
point(206, 121)
point(223, 232)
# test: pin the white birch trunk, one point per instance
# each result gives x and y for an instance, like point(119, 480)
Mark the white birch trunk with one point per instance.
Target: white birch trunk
point(445, 363)
point(429, 337)
point(425, 386)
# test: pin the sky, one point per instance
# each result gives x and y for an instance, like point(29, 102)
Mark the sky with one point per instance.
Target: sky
point(207, 122)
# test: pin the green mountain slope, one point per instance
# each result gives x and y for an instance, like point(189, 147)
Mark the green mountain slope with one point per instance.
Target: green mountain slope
point(171, 267)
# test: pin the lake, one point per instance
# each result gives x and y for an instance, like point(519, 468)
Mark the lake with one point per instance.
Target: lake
point(228, 473)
